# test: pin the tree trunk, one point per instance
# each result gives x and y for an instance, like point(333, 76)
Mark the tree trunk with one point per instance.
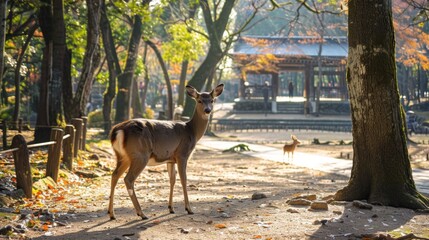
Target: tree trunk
point(216, 26)
point(58, 56)
point(166, 77)
point(112, 63)
point(381, 170)
point(91, 59)
point(200, 76)
point(42, 131)
point(146, 80)
point(3, 10)
point(18, 74)
point(136, 104)
point(124, 80)
point(182, 81)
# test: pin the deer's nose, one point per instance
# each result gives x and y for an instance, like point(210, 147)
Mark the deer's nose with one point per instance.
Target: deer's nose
point(207, 110)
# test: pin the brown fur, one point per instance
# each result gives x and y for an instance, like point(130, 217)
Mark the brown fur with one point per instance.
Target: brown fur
point(290, 148)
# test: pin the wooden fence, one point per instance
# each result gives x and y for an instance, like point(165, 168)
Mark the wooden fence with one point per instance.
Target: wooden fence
point(68, 141)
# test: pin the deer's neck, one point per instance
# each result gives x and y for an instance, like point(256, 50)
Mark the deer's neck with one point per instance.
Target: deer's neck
point(198, 124)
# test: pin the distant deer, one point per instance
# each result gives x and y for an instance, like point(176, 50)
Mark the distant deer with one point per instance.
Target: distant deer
point(290, 148)
point(139, 143)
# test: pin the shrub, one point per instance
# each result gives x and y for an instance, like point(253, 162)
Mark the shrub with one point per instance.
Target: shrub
point(95, 119)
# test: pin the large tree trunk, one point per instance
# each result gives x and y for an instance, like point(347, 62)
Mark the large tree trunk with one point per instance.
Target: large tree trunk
point(146, 80)
point(112, 63)
point(381, 170)
point(58, 56)
point(216, 26)
point(136, 103)
point(124, 81)
point(91, 59)
point(3, 10)
point(42, 131)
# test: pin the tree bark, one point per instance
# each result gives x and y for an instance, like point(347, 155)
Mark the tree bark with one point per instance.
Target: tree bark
point(216, 26)
point(124, 81)
point(42, 131)
point(3, 10)
point(381, 171)
point(136, 104)
point(166, 77)
point(58, 56)
point(146, 80)
point(91, 59)
point(113, 65)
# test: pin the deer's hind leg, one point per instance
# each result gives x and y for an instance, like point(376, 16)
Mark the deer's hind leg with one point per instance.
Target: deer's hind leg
point(136, 167)
point(121, 166)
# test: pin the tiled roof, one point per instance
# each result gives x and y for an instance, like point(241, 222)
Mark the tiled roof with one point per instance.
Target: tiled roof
point(291, 46)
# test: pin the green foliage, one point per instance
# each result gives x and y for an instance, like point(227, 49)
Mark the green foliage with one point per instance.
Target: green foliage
point(185, 45)
point(95, 119)
point(75, 19)
point(149, 113)
point(6, 113)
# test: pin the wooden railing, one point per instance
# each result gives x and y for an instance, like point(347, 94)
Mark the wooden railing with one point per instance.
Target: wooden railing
point(68, 142)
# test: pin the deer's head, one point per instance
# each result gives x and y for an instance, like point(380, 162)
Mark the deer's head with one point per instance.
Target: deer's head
point(205, 100)
point(295, 139)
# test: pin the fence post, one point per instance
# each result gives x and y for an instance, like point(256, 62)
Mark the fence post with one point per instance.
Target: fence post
point(85, 125)
point(4, 128)
point(21, 161)
point(77, 123)
point(54, 153)
point(68, 147)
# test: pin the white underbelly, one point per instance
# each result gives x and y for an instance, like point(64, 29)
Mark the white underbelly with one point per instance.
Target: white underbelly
point(152, 162)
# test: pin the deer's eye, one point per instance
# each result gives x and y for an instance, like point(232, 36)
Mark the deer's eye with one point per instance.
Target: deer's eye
point(212, 101)
point(199, 101)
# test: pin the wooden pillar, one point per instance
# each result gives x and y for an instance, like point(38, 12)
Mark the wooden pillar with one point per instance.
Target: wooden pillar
point(21, 160)
point(68, 147)
point(54, 154)
point(77, 123)
point(84, 128)
point(343, 84)
point(274, 91)
point(307, 88)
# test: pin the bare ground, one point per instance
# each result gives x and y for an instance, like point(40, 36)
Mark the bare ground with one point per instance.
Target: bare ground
point(221, 186)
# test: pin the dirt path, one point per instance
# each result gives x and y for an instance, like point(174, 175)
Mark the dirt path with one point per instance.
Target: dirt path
point(221, 188)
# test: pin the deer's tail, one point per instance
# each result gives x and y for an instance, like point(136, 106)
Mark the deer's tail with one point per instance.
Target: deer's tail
point(117, 137)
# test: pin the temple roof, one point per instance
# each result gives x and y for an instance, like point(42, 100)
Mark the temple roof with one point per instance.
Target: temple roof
point(306, 46)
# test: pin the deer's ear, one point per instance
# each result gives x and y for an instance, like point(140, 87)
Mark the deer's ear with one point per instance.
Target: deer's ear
point(217, 91)
point(191, 91)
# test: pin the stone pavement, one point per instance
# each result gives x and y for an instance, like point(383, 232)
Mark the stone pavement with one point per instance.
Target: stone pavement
point(311, 161)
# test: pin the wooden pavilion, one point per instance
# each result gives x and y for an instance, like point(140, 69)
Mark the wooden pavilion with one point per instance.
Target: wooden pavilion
point(315, 69)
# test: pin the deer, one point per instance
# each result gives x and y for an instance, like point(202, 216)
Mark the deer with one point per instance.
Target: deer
point(290, 148)
point(138, 143)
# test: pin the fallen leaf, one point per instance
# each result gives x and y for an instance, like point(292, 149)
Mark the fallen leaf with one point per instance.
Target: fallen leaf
point(45, 227)
point(220, 225)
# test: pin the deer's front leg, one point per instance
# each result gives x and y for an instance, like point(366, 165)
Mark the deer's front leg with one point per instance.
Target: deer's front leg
point(171, 167)
point(181, 166)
